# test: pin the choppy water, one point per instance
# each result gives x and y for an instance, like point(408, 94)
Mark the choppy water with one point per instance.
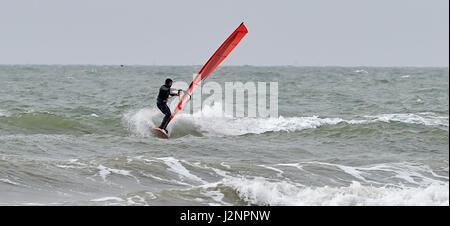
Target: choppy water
point(81, 135)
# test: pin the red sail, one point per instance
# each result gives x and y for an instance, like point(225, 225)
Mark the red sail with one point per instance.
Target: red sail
point(214, 61)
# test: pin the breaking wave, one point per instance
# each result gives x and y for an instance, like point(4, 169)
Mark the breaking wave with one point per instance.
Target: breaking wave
point(424, 118)
point(2, 113)
point(211, 121)
point(260, 191)
point(197, 183)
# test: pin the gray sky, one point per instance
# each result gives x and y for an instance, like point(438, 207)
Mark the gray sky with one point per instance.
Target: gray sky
point(297, 32)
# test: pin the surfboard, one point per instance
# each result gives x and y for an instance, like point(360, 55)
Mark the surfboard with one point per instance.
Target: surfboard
point(161, 133)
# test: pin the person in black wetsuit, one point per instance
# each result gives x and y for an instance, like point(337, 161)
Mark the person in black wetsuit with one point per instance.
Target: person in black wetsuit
point(161, 102)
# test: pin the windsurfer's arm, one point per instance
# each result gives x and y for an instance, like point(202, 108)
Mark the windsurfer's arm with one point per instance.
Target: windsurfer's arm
point(175, 94)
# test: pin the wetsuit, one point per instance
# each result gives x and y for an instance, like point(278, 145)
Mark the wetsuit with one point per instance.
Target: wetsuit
point(161, 102)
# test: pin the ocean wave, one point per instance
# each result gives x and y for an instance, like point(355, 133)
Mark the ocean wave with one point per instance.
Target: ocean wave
point(103, 172)
point(139, 198)
point(417, 184)
point(361, 71)
point(401, 183)
point(247, 190)
point(424, 118)
point(192, 182)
point(403, 173)
point(211, 121)
point(140, 122)
point(7, 181)
point(176, 167)
point(260, 191)
point(49, 123)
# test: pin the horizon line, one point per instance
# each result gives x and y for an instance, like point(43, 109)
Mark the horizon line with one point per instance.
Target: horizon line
point(233, 65)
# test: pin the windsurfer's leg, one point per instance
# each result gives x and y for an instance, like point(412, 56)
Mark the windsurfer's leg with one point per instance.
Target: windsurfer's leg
point(166, 111)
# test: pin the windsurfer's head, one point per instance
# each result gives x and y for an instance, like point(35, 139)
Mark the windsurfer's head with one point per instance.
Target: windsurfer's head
point(169, 82)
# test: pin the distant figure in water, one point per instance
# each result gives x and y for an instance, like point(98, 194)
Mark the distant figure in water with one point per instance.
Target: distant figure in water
point(161, 102)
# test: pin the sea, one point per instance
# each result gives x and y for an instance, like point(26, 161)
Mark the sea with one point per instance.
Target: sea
point(345, 136)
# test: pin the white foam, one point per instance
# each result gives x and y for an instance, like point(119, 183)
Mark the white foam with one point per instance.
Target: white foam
point(416, 174)
point(107, 199)
point(4, 113)
point(361, 71)
point(136, 200)
point(176, 167)
point(296, 165)
point(212, 121)
point(225, 165)
point(217, 171)
point(280, 172)
point(68, 166)
point(354, 171)
point(94, 115)
point(151, 195)
point(260, 191)
point(105, 171)
point(141, 158)
point(226, 125)
point(7, 181)
point(216, 196)
point(72, 164)
point(424, 118)
point(409, 172)
point(35, 204)
point(140, 122)
point(164, 180)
